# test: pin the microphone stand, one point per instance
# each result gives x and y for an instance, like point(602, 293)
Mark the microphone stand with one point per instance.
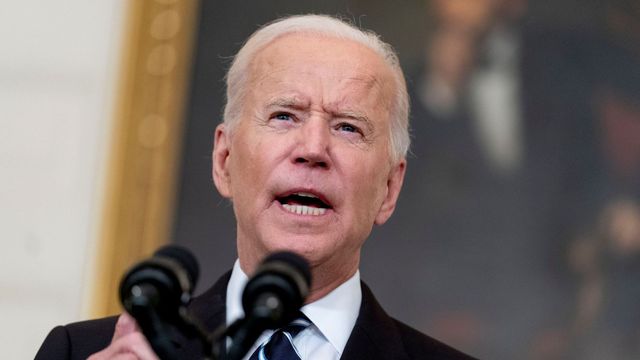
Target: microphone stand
point(151, 323)
point(157, 329)
point(266, 313)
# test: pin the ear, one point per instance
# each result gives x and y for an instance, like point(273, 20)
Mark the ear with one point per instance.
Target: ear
point(394, 184)
point(220, 161)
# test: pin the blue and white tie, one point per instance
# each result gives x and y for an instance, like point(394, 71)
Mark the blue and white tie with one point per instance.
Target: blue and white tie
point(280, 344)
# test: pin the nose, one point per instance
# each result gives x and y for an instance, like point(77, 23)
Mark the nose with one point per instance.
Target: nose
point(313, 145)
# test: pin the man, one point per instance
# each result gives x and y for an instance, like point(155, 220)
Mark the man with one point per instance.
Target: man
point(312, 154)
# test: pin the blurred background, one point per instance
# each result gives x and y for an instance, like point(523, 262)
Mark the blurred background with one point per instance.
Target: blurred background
point(517, 234)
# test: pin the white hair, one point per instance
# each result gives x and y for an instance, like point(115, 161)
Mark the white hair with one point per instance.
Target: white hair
point(237, 76)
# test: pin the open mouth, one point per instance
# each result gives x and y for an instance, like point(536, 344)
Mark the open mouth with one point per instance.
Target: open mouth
point(303, 203)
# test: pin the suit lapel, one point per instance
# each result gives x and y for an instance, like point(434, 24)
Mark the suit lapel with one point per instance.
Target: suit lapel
point(209, 309)
point(375, 334)
point(211, 306)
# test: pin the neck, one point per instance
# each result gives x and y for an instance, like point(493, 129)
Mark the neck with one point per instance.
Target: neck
point(325, 281)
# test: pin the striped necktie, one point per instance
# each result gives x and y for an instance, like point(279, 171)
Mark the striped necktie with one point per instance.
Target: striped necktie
point(280, 344)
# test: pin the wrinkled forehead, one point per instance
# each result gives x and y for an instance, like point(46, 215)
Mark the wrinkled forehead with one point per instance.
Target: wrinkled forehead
point(294, 58)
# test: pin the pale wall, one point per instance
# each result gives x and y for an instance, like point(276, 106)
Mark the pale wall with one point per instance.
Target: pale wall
point(58, 70)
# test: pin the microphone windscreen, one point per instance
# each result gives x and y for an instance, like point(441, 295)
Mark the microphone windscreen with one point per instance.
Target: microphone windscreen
point(293, 260)
point(184, 258)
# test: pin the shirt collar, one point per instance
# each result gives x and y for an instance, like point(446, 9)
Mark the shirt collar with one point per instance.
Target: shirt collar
point(334, 315)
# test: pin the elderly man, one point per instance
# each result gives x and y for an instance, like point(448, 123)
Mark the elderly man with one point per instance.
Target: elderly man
point(312, 154)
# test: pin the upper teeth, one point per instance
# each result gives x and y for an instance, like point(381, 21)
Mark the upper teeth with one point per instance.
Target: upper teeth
point(304, 210)
point(305, 194)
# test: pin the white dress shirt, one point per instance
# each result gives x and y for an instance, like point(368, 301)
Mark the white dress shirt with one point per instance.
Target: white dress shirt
point(333, 317)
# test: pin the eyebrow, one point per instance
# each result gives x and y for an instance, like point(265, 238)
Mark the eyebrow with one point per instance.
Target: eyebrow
point(288, 102)
point(355, 115)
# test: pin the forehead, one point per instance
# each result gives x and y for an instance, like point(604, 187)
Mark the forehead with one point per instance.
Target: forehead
point(307, 61)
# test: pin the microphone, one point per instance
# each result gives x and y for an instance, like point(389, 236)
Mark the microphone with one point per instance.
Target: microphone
point(278, 289)
point(156, 292)
point(271, 299)
point(164, 282)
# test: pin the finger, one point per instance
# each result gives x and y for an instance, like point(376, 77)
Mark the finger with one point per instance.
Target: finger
point(128, 356)
point(131, 346)
point(125, 325)
point(139, 345)
point(111, 354)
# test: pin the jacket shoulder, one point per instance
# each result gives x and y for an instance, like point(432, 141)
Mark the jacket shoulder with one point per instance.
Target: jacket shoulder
point(77, 340)
point(377, 335)
point(418, 344)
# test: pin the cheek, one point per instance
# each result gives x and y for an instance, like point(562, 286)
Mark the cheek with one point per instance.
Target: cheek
point(368, 189)
point(251, 167)
point(243, 167)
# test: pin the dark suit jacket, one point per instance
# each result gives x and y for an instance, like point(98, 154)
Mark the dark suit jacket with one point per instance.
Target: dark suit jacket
point(375, 336)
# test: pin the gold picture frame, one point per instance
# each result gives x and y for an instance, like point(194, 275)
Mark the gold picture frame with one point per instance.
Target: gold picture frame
point(145, 148)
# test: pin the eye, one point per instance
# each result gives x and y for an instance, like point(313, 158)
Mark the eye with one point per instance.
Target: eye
point(348, 128)
point(283, 117)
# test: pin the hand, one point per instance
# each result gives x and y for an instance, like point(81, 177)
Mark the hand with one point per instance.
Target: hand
point(127, 343)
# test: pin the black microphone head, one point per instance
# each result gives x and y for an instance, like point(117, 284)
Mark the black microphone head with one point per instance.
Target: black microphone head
point(183, 257)
point(278, 289)
point(163, 282)
point(293, 260)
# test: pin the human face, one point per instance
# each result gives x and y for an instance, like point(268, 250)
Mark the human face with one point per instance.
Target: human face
point(308, 165)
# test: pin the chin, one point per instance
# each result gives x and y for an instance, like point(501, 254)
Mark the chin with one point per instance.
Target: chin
point(309, 246)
